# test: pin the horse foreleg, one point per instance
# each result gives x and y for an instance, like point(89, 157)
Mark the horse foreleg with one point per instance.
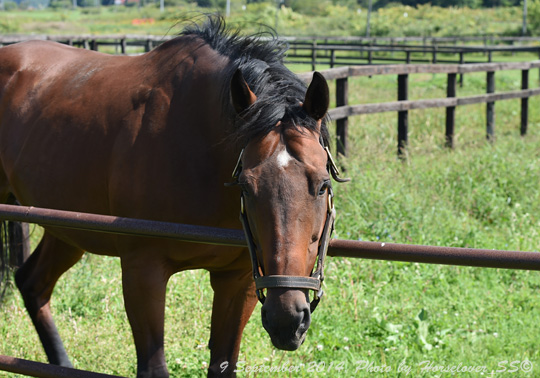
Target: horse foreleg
point(234, 301)
point(35, 280)
point(144, 281)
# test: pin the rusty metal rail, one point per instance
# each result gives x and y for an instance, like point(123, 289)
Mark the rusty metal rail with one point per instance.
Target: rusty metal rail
point(41, 370)
point(123, 226)
point(486, 258)
point(210, 235)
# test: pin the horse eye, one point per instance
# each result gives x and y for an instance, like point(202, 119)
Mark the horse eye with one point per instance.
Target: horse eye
point(324, 187)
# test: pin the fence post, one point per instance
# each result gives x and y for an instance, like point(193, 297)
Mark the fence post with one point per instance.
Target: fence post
point(490, 107)
point(314, 56)
point(461, 61)
point(123, 45)
point(19, 231)
point(332, 58)
point(524, 102)
point(450, 111)
point(148, 45)
point(403, 116)
point(94, 45)
point(342, 125)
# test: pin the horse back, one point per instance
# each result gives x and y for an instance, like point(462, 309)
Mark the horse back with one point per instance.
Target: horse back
point(86, 131)
point(53, 118)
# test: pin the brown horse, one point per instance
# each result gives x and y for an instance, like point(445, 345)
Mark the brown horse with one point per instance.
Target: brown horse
point(156, 137)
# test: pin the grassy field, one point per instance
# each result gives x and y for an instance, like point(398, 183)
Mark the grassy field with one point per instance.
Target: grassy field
point(383, 319)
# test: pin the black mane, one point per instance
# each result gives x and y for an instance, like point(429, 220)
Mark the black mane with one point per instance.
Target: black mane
point(260, 58)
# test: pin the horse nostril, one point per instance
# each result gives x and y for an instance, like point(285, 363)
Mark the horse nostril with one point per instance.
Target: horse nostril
point(305, 318)
point(264, 317)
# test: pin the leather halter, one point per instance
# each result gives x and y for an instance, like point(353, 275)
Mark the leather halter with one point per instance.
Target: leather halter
point(314, 281)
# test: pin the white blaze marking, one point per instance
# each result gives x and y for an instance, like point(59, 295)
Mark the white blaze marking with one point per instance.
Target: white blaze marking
point(283, 158)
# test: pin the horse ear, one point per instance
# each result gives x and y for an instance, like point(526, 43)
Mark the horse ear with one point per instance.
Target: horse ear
point(317, 97)
point(241, 95)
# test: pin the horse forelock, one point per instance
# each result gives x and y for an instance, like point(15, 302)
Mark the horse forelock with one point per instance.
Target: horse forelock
point(259, 57)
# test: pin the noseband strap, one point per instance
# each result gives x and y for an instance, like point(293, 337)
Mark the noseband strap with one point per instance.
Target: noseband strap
point(298, 282)
point(314, 282)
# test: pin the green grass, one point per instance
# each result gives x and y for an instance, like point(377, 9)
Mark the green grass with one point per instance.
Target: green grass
point(390, 314)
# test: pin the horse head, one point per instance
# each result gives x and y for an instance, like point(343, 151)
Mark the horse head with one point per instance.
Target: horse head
point(287, 211)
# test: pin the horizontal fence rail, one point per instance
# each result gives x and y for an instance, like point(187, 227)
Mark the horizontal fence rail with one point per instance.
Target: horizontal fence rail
point(343, 110)
point(427, 40)
point(123, 226)
point(232, 237)
point(320, 40)
point(405, 69)
point(42, 370)
point(121, 42)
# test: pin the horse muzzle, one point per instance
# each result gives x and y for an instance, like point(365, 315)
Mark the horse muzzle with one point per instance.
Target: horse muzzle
point(286, 316)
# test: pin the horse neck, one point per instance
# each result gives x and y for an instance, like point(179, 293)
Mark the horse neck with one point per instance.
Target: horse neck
point(192, 76)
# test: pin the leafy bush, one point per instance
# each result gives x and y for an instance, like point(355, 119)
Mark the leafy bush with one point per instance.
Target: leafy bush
point(310, 8)
point(60, 4)
point(10, 5)
point(206, 3)
point(533, 17)
point(175, 3)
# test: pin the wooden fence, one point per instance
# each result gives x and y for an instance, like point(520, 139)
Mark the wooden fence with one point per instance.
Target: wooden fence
point(426, 42)
point(122, 43)
point(331, 52)
point(316, 53)
point(423, 40)
point(344, 110)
